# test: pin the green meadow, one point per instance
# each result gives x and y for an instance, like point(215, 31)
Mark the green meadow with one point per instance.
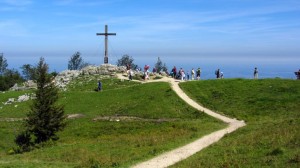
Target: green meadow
point(271, 109)
point(152, 119)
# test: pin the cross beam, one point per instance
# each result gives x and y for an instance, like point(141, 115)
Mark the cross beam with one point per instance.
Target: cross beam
point(106, 34)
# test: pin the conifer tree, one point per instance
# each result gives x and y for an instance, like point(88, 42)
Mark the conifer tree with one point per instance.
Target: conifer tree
point(158, 65)
point(45, 118)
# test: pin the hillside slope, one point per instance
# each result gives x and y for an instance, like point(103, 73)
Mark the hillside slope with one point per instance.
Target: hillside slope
point(271, 109)
point(124, 124)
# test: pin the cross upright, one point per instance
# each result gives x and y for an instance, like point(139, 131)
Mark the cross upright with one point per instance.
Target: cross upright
point(106, 34)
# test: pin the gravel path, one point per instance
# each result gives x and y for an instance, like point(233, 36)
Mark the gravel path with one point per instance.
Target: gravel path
point(176, 155)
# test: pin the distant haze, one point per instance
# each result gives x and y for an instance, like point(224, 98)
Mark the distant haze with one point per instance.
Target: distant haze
point(229, 34)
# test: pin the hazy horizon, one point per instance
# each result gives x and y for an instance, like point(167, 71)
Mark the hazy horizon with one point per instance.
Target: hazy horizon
point(182, 33)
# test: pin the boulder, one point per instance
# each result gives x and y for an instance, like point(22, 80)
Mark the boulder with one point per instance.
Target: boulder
point(9, 101)
point(30, 84)
point(26, 85)
point(16, 87)
point(23, 98)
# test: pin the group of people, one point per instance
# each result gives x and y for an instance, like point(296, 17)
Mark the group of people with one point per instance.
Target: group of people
point(181, 74)
point(185, 75)
point(219, 74)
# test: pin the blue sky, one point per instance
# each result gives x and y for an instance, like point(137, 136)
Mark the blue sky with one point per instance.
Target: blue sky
point(177, 31)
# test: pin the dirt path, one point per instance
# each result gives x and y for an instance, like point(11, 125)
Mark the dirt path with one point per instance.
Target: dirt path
point(176, 155)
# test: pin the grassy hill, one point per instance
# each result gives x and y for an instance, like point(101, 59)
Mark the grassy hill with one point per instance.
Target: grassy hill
point(271, 108)
point(124, 124)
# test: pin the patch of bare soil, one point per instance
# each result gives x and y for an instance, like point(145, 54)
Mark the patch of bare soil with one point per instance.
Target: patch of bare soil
point(131, 118)
point(69, 116)
point(75, 116)
point(11, 119)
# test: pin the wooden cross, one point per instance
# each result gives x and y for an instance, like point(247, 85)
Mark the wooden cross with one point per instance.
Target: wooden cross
point(106, 34)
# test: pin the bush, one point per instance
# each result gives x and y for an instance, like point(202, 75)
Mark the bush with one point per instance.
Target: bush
point(24, 141)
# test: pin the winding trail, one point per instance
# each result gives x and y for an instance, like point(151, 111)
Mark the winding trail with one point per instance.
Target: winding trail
point(181, 153)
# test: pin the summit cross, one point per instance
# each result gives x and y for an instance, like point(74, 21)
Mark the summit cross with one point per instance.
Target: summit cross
point(106, 34)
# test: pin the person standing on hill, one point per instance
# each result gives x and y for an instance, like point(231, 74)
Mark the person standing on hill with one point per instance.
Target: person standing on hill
point(198, 73)
point(217, 73)
point(180, 73)
point(174, 72)
point(99, 86)
point(255, 73)
point(193, 73)
point(154, 71)
point(298, 74)
point(130, 74)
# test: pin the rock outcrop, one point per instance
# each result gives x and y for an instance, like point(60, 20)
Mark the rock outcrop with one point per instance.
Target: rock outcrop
point(104, 69)
point(65, 77)
point(22, 98)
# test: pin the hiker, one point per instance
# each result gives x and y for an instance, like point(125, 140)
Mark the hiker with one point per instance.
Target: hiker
point(188, 75)
point(255, 73)
point(298, 74)
point(217, 73)
point(146, 72)
point(130, 74)
point(193, 73)
point(182, 74)
point(154, 70)
point(198, 73)
point(174, 72)
point(99, 86)
point(146, 75)
point(171, 74)
point(221, 75)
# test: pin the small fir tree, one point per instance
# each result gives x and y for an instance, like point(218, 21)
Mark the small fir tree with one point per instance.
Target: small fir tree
point(45, 118)
point(158, 65)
